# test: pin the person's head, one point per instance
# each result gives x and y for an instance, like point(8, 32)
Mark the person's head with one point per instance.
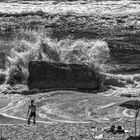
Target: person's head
point(92, 127)
point(112, 127)
point(32, 101)
point(119, 127)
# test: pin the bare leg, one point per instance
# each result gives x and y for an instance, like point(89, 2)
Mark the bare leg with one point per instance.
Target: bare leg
point(33, 119)
point(29, 120)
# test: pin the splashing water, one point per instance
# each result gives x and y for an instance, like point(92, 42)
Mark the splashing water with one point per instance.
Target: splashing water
point(93, 52)
point(90, 52)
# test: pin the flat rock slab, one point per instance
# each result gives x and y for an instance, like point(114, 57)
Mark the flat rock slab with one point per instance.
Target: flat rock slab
point(44, 75)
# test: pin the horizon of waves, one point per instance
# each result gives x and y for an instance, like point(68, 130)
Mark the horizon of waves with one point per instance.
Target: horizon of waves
point(82, 51)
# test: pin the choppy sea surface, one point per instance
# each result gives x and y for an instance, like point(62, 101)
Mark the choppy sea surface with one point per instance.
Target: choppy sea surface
point(121, 68)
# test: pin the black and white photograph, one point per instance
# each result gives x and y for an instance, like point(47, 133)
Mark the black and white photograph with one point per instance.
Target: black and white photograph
point(69, 69)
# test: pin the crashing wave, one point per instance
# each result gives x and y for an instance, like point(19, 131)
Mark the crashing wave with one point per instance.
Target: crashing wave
point(89, 52)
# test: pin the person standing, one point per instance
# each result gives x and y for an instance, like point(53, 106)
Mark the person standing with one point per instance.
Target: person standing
point(31, 112)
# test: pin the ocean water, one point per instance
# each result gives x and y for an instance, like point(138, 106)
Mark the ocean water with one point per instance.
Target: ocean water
point(121, 70)
point(115, 55)
point(120, 66)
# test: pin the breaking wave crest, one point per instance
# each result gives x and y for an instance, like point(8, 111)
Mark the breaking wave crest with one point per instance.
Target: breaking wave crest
point(119, 80)
point(91, 52)
point(94, 53)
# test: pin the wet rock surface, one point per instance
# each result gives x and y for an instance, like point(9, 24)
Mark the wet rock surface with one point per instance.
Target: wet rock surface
point(44, 75)
point(2, 78)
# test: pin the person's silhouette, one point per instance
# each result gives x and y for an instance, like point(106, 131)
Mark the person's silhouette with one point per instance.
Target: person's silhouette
point(31, 112)
point(120, 130)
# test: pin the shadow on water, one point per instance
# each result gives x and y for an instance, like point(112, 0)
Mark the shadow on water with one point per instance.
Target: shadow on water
point(78, 34)
point(7, 36)
point(133, 138)
point(89, 91)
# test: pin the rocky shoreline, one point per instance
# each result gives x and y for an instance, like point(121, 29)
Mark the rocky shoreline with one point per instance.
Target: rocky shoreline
point(62, 131)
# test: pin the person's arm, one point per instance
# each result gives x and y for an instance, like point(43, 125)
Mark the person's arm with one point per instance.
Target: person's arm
point(35, 108)
point(137, 113)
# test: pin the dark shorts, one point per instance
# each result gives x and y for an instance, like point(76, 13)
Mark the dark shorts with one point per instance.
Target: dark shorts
point(32, 114)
